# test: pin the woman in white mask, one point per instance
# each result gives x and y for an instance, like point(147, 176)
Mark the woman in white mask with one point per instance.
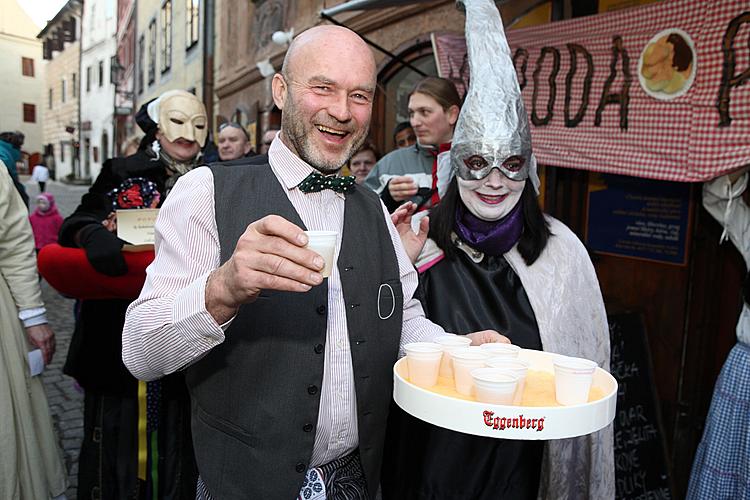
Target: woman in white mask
point(493, 259)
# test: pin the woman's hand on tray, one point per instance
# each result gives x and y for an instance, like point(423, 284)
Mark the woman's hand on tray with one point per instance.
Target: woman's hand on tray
point(486, 337)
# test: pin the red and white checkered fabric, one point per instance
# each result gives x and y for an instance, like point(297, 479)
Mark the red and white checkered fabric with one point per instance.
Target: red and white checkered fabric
point(676, 140)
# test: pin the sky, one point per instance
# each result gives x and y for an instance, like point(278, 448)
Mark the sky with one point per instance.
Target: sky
point(41, 11)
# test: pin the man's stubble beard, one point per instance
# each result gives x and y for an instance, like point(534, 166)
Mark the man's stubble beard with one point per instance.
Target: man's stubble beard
point(295, 131)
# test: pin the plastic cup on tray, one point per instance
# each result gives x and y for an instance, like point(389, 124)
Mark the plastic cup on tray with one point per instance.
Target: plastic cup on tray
point(423, 360)
point(450, 343)
point(494, 385)
point(573, 379)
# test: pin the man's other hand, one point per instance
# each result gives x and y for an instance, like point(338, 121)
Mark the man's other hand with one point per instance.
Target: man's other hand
point(402, 188)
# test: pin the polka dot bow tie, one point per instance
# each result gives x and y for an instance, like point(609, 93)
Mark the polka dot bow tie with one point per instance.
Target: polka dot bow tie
point(316, 182)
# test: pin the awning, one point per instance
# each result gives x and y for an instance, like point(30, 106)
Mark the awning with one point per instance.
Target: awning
point(367, 5)
point(375, 4)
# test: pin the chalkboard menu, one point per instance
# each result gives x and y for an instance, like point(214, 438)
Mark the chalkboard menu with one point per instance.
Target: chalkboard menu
point(641, 470)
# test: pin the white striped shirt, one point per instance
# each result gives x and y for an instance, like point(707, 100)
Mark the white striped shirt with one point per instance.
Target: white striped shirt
point(168, 326)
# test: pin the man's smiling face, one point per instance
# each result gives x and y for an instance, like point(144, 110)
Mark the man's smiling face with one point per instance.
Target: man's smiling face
point(326, 105)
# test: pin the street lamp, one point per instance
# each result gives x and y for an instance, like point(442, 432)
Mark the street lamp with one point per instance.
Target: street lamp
point(116, 74)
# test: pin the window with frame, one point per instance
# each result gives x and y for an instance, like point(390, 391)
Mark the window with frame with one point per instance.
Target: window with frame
point(88, 79)
point(101, 73)
point(141, 62)
point(152, 52)
point(29, 113)
point(192, 28)
point(63, 90)
point(62, 151)
point(51, 95)
point(74, 85)
point(166, 36)
point(27, 66)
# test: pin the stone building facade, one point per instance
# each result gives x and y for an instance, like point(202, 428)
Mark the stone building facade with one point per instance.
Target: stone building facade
point(22, 79)
point(407, 32)
point(97, 88)
point(169, 47)
point(61, 47)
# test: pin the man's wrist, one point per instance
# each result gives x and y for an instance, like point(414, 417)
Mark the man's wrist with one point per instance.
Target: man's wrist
point(218, 305)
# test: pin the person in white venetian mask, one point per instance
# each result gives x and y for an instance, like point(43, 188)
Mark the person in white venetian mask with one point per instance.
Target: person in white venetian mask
point(494, 258)
point(112, 460)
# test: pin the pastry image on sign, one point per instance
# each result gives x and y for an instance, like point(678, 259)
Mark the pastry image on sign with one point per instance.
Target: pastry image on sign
point(666, 68)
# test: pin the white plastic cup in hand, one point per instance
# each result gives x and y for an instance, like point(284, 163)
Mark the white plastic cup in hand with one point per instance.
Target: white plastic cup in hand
point(573, 378)
point(450, 343)
point(517, 367)
point(494, 385)
point(465, 360)
point(324, 244)
point(497, 349)
point(423, 360)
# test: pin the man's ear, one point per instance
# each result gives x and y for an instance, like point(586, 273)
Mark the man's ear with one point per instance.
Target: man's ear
point(453, 114)
point(278, 89)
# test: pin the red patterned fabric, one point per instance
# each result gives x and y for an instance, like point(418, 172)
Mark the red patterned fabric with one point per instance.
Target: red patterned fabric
point(676, 140)
point(57, 264)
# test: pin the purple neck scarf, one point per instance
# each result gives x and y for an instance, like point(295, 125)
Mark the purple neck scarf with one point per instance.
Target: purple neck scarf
point(490, 238)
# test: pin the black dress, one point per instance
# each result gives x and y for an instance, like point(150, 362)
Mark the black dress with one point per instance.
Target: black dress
point(423, 461)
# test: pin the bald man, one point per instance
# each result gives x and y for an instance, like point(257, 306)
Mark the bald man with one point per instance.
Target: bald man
point(290, 373)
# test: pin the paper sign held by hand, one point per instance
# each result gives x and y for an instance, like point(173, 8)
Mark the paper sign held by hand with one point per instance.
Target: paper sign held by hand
point(36, 362)
point(137, 226)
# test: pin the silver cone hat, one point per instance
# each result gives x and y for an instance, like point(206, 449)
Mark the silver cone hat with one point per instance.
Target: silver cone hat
point(493, 128)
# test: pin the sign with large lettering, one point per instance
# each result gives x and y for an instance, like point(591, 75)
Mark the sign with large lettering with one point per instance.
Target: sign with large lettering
point(656, 91)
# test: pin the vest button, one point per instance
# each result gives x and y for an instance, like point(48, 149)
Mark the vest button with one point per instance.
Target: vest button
point(318, 348)
point(307, 427)
point(312, 390)
point(300, 467)
point(321, 310)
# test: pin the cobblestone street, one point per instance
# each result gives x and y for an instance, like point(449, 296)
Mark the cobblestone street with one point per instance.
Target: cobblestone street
point(65, 398)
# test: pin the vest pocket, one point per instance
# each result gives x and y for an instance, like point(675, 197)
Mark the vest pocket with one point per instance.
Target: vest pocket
point(225, 427)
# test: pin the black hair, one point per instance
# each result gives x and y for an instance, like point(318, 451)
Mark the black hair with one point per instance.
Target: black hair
point(146, 124)
point(401, 126)
point(535, 227)
point(15, 139)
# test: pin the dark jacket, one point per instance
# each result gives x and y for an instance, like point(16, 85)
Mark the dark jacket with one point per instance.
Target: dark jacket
point(95, 354)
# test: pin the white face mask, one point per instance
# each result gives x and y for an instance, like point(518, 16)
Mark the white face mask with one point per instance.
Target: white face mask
point(182, 116)
point(492, 197)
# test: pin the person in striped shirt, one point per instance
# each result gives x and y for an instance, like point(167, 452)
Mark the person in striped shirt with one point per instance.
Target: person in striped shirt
point(290, 373)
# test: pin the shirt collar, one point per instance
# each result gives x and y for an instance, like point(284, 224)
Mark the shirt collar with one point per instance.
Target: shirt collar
point(289, 168)
point(428, 151)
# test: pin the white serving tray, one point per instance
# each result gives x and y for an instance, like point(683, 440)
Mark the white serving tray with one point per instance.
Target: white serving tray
point(508, 421)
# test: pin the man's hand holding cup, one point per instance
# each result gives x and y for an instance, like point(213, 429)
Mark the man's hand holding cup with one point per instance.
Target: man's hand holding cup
point(402, 188)
point(270, 255)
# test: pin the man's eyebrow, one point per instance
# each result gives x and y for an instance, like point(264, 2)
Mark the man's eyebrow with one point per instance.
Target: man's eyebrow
point(322, 79)
point(327, 81)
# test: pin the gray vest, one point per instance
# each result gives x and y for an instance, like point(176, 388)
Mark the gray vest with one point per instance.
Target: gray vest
point(255, 397)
